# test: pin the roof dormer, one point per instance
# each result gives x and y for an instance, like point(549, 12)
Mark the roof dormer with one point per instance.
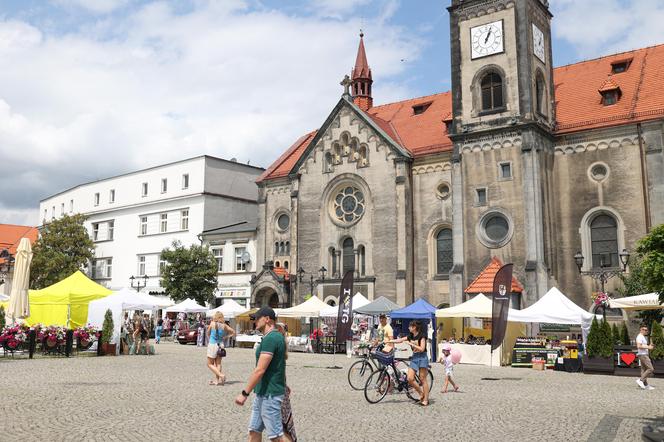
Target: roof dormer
point(620, 66)
point(610, 92)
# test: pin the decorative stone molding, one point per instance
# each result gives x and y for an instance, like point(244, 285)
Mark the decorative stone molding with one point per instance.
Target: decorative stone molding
point(490, 144)
point(484, 8)
point(432, 168)
point(277, 190)
point(591, 146)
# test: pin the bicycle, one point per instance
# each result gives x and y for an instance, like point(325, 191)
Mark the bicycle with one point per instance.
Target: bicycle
point(360, 370)
point(389, 378)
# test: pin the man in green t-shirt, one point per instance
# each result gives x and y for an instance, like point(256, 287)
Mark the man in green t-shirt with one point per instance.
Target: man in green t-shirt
point(268, 380)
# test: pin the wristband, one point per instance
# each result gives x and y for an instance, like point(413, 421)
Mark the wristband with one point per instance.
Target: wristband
point(245, 394)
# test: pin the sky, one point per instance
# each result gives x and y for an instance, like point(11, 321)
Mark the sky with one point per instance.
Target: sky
point(94, 88)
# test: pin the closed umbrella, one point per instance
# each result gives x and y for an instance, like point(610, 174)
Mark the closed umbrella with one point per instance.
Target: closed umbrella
point(19, 304)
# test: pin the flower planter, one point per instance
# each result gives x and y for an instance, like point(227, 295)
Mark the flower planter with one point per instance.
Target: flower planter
point(658, 365)
point(108, 349)
point(598, 365)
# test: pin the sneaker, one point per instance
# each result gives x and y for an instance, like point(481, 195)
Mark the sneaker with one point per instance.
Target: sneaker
point(649, 387)
point(640, 383)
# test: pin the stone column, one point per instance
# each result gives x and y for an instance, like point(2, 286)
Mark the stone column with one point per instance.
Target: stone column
point(339, 263)
point(456, 275)
point(357, 263)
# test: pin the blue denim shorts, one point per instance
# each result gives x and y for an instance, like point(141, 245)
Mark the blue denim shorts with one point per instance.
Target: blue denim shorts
point(419, 360)
point(266, 415)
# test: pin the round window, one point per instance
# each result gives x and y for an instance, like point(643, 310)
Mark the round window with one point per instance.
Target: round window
point(495, 229)
point(599, 172)
point(283, 221)
point(347, 205)
point(443, 191)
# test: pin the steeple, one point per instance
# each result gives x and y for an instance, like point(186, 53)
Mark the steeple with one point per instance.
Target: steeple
point(361, 79)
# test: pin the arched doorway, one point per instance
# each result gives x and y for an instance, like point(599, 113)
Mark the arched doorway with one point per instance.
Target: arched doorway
point(267, 297)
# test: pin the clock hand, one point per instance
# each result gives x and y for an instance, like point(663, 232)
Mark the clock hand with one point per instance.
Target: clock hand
point(487, 36)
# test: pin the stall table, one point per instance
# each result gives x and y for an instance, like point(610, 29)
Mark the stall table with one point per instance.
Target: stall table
point(477, 354)
point(248, 340)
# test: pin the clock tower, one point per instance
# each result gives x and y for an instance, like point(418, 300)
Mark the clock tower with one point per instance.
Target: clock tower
point(502, 129)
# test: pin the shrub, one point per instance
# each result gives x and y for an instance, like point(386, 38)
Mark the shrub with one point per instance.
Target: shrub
point(657, 340)
point(107, 328)
point(2, 317)
point(624, 335)
point(599, 340)
point(615, 333)
point(607, 340)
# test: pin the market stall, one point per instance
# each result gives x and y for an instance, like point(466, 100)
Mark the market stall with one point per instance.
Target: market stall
point(66, 302)
point(380, 306)
point(245, 334)
point(186, 306)
point(423, 311)
point(649, 301)
point(229, 309)
point(117, 302)
point(474, 342)
point(331, 311)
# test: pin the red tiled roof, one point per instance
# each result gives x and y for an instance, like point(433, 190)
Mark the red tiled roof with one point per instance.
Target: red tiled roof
point(609, 85)
point(578, 106)
point(361, 69)
point(10, 236)
point(281, 272)
point(484, 281)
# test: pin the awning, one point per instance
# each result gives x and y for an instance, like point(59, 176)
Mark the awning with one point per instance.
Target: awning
point(649, 301)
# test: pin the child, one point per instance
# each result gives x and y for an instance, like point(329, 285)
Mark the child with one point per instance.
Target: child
point(446, 359)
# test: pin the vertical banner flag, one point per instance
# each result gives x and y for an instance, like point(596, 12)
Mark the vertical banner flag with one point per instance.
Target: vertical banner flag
point(345, 315)
point(502, 290)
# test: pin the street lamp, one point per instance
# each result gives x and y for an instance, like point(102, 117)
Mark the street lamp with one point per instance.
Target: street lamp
point(138, 286)
point(605, 271)
point(6, 266)
point(300, 275)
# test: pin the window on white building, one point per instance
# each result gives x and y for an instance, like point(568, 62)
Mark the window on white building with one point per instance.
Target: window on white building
point(95, 231)
point(185, 180)
point(144, 189)
point(62, 209)
point(144, 225)
point(219, 256)
point(111, 196)
point(96, 199)
point(164, 185)
point(184, 220)
point(71, 206)
point(53, 212)
point(163, 222)
point(109, 267)
point(141, 266)
point(45, 214)
point(240, 265)
point(102, 268)
point(111, 225)
point(162, 265)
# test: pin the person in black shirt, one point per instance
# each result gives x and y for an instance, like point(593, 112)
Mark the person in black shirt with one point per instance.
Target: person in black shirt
point(419, 362)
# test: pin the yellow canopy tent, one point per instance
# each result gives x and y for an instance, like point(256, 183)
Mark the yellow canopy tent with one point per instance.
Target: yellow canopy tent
point(65, 302)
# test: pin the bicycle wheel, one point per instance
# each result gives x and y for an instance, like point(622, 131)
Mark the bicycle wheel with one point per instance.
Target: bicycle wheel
point(377, 386)
point(358, 374)
point(411, 393)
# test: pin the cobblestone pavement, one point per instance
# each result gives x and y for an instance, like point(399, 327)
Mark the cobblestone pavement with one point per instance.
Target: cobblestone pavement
point(166, 397)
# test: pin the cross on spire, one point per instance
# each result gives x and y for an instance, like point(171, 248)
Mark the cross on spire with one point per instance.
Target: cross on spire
point(346, 82)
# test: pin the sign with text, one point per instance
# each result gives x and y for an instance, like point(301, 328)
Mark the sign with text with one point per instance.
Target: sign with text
point(502, 292)
point(345, 315)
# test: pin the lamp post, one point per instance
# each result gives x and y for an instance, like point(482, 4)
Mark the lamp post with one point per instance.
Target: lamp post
point(138, 286)
point(300, 275)
point(6, 266)
point(605, 271)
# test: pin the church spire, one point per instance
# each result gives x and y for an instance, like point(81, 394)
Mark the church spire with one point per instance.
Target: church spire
point(361, 79)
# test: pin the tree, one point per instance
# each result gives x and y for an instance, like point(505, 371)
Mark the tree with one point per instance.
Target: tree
point(651, 251)
point(657, 340)
point(63, 247)
point(607, 340)
point(592, 342)
point(624, 335)
point(189, 272)
point(2, 317)
point(615, 334)
point(107, 327)
point(599, 340)
point(635, 283)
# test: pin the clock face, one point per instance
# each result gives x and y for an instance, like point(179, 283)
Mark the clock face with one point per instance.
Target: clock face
point(486, 39)
point(538, 44)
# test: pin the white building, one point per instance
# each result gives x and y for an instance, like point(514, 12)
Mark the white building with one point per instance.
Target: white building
point(133, 217)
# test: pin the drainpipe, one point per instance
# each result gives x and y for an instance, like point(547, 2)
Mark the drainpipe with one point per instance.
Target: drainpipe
point(644, 177)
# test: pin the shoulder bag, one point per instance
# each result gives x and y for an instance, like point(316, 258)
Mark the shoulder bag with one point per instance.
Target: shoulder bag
point(221, 351)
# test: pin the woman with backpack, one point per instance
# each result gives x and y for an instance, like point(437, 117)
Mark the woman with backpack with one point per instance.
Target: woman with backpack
point(216, 332)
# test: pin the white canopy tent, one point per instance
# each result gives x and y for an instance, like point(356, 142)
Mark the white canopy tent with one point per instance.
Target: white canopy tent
point(478, 307)
point(159, 301)
point(649, 301)
point(229, 308)
point(117, 303)
point(187, 306)
point(309, 308)
point(554, 308)
point(331, 311)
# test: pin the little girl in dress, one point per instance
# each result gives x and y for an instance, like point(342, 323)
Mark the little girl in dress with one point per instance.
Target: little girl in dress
point(446, 360)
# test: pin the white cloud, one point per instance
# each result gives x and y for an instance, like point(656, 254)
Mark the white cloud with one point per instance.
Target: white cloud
point(93, 6)
point(607, 26)
point(222, 79)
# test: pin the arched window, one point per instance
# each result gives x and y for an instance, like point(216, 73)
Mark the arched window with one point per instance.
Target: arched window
point(287, 247)
point(348, 256)
point(276, 248)
point(277, 264)
point(540, 95)
point(333, 260)
point(362, 258)
point(604, 240)
point(286, 265)
point(492, 91)
point(444, 252)
point(329, 162)
point(282, 248)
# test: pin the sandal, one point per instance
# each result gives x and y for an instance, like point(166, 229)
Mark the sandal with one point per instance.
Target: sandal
point(213, 383)
point(424, 404)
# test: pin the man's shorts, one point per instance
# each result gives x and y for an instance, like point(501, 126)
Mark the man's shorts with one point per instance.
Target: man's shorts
point(266, 415)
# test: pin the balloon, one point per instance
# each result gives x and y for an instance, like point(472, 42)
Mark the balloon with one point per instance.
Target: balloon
point(456, 356)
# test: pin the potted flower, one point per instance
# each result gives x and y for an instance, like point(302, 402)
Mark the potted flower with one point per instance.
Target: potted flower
point(13, 337)
point(657, 353)
point(107, 334)
point(53, 337)
point(599, 349)
point(85, 336)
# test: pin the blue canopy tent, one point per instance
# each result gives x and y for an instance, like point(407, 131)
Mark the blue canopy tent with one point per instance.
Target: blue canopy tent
point(421, 310)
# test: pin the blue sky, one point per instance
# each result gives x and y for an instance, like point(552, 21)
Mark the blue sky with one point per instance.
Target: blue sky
point(93, 88)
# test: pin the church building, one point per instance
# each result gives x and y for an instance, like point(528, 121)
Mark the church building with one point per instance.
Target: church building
point(520, 161)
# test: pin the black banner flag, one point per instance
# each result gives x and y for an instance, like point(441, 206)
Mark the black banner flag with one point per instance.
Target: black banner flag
point(502, 291)
point(345, 315)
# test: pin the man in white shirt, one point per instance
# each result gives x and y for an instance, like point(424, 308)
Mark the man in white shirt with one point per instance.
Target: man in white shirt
point(642, 353)
point(385, 334)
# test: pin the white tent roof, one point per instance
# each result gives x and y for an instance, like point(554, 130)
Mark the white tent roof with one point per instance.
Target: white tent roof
point(649, 301)
point(478, 307)
point(159, 301)
point(187, 306)
point(331, 311)
point(310, 307)
point(553, 308)
point(229, 308)
point(117, 302)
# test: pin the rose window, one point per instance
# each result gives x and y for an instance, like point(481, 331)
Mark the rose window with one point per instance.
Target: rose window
point(348, 205)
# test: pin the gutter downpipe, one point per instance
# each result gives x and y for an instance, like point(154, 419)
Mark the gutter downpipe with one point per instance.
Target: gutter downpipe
point(644, 178)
